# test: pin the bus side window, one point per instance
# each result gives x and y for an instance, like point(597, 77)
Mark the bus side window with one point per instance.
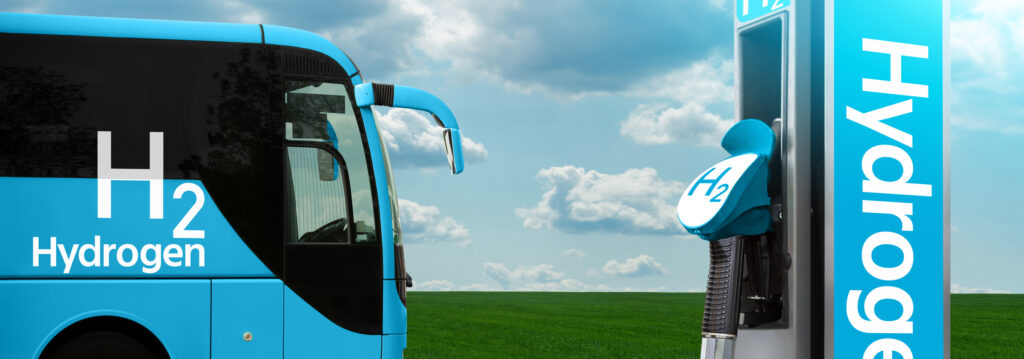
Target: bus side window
point(324, 112)
point(317, 204)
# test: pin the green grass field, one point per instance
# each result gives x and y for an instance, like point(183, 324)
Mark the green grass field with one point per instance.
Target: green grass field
point(637, 325)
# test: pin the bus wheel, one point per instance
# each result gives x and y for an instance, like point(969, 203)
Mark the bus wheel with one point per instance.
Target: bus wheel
point(102, 345)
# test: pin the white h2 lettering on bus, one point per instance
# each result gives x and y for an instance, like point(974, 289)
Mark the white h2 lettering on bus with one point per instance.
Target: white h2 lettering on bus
point(152, 256)
point(901, 210)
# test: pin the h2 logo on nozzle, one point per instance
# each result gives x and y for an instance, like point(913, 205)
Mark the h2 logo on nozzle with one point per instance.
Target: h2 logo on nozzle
point(713, 183)
point(699, 205)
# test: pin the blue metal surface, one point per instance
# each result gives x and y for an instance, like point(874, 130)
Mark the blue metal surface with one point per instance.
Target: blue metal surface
point(393, 345)
point(889, 225)
point(242, 306)
point(127, 28)
point(749, 136)
point(394, 310)
point(176, 311)
point(38, 209)
point(307, 334)
point(286, 36)
point(457, 149)
point(409, 97)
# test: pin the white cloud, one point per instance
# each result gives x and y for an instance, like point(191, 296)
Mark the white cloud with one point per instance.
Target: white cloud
point(721, 4)
point(238, 11)
point(697, 89)
point(534, 283)
point(690, 124)
point(537, 273)
point(577, 200)
point(640, 266)
point(479, 287)
point(536, 278)
point(424, 224)
point(705, 81)
point(564, 285)
point(434, 285)
point(986, 48)
point(574, 253)
point(531, 47)
point(414, 140)
point(958, 289)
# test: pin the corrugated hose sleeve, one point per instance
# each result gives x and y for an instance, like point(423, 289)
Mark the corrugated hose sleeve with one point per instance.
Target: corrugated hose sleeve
point(721, 305)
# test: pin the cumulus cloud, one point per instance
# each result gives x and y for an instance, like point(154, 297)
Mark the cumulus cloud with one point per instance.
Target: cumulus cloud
point(414, 140)
point(537, 273)
point(434, 285)
point(574, 253)
point(524, 285)
point(540, 277)
point(695, 99)
point(564, 285)
point(578, 200)
point(424, 224)
point(640, 266)
point(986, 48)
point(479, 287)
point(691, 123)
point(958, 289)
point(531, 46)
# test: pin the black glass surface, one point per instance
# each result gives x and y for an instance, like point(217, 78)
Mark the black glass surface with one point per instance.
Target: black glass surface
point(220, 107)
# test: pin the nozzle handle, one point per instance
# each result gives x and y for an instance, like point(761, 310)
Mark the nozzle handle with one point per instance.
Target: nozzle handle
point(722, 302)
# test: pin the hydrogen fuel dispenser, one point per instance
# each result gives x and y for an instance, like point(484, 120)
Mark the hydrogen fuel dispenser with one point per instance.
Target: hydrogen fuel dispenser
point(828, 225)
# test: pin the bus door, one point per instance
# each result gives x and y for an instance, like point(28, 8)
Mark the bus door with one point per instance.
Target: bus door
point(332, 253)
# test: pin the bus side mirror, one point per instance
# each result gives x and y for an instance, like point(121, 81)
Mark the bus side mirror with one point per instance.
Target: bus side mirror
point(327, 166)
point(370, 94)
point(453, 140)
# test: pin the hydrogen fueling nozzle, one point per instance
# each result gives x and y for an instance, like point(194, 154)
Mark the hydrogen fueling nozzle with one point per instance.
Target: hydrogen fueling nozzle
point(724, 205)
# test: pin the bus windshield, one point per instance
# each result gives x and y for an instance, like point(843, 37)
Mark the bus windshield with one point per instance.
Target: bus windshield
point(322, 113)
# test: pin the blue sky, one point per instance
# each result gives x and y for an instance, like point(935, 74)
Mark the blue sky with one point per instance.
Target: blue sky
point(584, 123)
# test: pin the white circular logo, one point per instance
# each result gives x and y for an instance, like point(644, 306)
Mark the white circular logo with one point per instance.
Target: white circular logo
point(705, 196)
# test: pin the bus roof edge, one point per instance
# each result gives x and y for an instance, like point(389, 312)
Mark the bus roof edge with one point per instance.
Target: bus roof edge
point(44, 24)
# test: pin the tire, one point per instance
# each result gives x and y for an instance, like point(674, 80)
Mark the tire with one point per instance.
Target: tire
point(103, 345)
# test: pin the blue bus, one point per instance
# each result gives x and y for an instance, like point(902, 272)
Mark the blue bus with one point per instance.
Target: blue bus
point(180, 189)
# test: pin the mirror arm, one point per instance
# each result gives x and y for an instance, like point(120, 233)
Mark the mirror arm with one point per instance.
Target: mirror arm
point(375, 94)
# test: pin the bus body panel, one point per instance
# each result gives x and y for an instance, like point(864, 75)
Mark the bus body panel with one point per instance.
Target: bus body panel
point(395, 319)
point(176, 311)
point(128, 28)
point(247, 306)
point(39, 212)
point(393, 345)
point(308, 334)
